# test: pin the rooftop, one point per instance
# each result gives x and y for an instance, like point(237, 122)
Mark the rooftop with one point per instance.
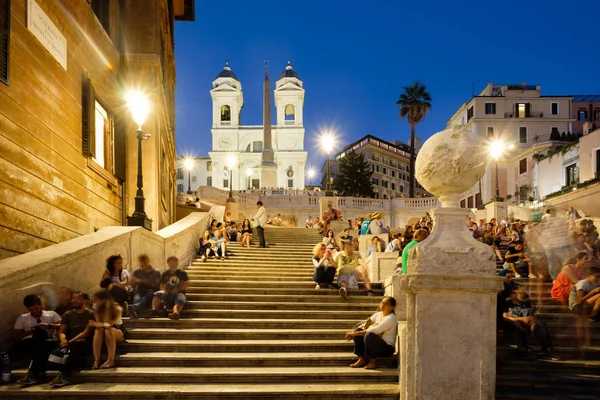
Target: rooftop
point(581, 98)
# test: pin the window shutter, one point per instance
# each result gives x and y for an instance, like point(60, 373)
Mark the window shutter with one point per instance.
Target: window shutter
point(120, 141)
point(527, 109)
point(4, 39)
point(88, 117)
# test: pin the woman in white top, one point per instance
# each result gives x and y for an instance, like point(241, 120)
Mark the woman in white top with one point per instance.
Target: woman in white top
point(116, 280)
point(376, 338)
point(109, 328)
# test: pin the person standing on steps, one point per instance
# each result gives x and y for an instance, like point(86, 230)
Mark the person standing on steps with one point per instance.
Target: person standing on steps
point(376, 338)
point(349, 270)
point(259, 221)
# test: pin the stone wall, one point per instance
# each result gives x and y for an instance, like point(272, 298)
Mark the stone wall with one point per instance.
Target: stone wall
point(80, 262)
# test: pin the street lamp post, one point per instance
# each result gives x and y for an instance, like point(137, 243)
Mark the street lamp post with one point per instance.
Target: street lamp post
point(188, 164)
point(139, 106)
point(231, 163)
point(248, 177)
point(327, 143)
point(497, 149)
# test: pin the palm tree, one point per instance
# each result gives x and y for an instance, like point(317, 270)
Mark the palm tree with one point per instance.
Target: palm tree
point(414, 103)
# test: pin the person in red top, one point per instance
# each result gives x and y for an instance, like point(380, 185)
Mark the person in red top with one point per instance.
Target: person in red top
point(572, 272)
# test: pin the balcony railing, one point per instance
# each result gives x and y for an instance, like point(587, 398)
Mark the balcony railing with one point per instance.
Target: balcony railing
point(531, 114)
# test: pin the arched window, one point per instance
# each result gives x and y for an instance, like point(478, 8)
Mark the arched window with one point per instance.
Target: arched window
point(290, 114)
point(225, 113)
point(257, 146)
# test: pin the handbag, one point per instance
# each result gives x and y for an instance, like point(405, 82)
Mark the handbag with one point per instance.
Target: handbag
point(59, 356)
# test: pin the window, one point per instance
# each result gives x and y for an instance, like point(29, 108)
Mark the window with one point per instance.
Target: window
point(101, 9)
point(597, 172)
point(372, 167)
point(582, 115)
point(384, 184)
point(209, 166)
point(377, 168)
point(209, 181)
point(179, 173)
point(523, 193)
point(290, 183)
point(226, 183)
point(522, 134)
point(103, 138)
point(522, 110)
point(193, 177)
point(469, 113)
point(375, 181)
point(290, 115)
point(401, 189)
point(384, 170)
point(470, 202)
point(478, 202)
point(393, 186)
point(523, 166)
point(554, 108)
point(490, 132)
point(4, 39)
point(180, 188)
point(463, 203)
point(225, 113)
point(257, 146)
point(490, 108)
point(393, 174)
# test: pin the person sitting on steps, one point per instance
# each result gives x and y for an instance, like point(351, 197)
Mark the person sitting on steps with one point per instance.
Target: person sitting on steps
point(145, 281)
point(325, 267)
point(108, 328)
point(115, 279)
point(246, 233)
point(174, 282)
point(349, 270)
point(205, 246)
point(376, 338)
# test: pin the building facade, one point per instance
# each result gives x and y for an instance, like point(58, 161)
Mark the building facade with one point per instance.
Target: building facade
point(68, 147)
point(389, 162)
point(524, 119)
point(189, 179)
point(251, 148)
point(586, 108)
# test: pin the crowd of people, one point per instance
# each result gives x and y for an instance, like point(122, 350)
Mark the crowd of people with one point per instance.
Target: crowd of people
point(80, 326)
point(556, 249)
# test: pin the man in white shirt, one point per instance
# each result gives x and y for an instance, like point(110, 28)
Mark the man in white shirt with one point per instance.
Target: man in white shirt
point(377, 337)
point(35, 331)
point(260, 220)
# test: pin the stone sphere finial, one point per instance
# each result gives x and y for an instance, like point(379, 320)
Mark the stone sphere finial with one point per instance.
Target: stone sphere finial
point(450, 163)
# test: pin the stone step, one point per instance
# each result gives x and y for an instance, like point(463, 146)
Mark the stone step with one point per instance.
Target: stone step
point(233, 323)
point(274, 262)
point(323, 295)
point(153, 333)
point(241, 257)
point(566, 351)
point(236, 346)
point(236, 375)
point(279, 289)
point(358, 315)
point(251, 276)
point(252, 359)
point(290, 306)
point(190, 391)
point(289, 284)
point(219, 267)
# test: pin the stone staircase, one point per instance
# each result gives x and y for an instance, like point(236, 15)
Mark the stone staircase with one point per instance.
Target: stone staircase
point(575, 377)
point(254, 328)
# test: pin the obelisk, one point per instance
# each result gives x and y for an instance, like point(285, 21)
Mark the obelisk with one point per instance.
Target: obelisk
point(268, 167)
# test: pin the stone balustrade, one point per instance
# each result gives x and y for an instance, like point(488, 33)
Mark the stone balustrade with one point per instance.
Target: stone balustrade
point(80, 262)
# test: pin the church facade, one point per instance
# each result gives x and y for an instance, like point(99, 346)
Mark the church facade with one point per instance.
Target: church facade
point(267, 156)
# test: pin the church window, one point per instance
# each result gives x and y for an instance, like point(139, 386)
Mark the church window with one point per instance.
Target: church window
point(290, 183)
point(209, 166)
point(290, 114)
point(209, 181)
point(179, 173)
point(225, 113)
point(180, 188)
point(257, 146)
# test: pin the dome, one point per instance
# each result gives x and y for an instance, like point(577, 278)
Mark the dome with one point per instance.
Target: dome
point(227, 72)
point(289, 72)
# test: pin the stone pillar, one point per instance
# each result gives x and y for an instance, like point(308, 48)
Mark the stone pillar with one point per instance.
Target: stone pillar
point(496, 209)
point(448, 341)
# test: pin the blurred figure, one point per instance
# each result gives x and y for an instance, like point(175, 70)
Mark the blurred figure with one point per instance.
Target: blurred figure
point(556, 241)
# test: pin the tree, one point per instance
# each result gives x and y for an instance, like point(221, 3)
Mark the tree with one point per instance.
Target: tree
point(354, 176)
point(414, 104)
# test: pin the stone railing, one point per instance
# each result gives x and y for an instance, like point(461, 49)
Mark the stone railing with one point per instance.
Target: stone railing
point(80, 262)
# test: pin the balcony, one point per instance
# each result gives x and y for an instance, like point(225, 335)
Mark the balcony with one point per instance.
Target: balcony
point(512, 114)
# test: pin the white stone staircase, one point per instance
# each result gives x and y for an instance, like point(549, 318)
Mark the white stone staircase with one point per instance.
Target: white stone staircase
point(254, 328)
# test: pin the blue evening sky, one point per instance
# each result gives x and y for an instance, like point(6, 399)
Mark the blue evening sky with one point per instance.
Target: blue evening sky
point(355, 57)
